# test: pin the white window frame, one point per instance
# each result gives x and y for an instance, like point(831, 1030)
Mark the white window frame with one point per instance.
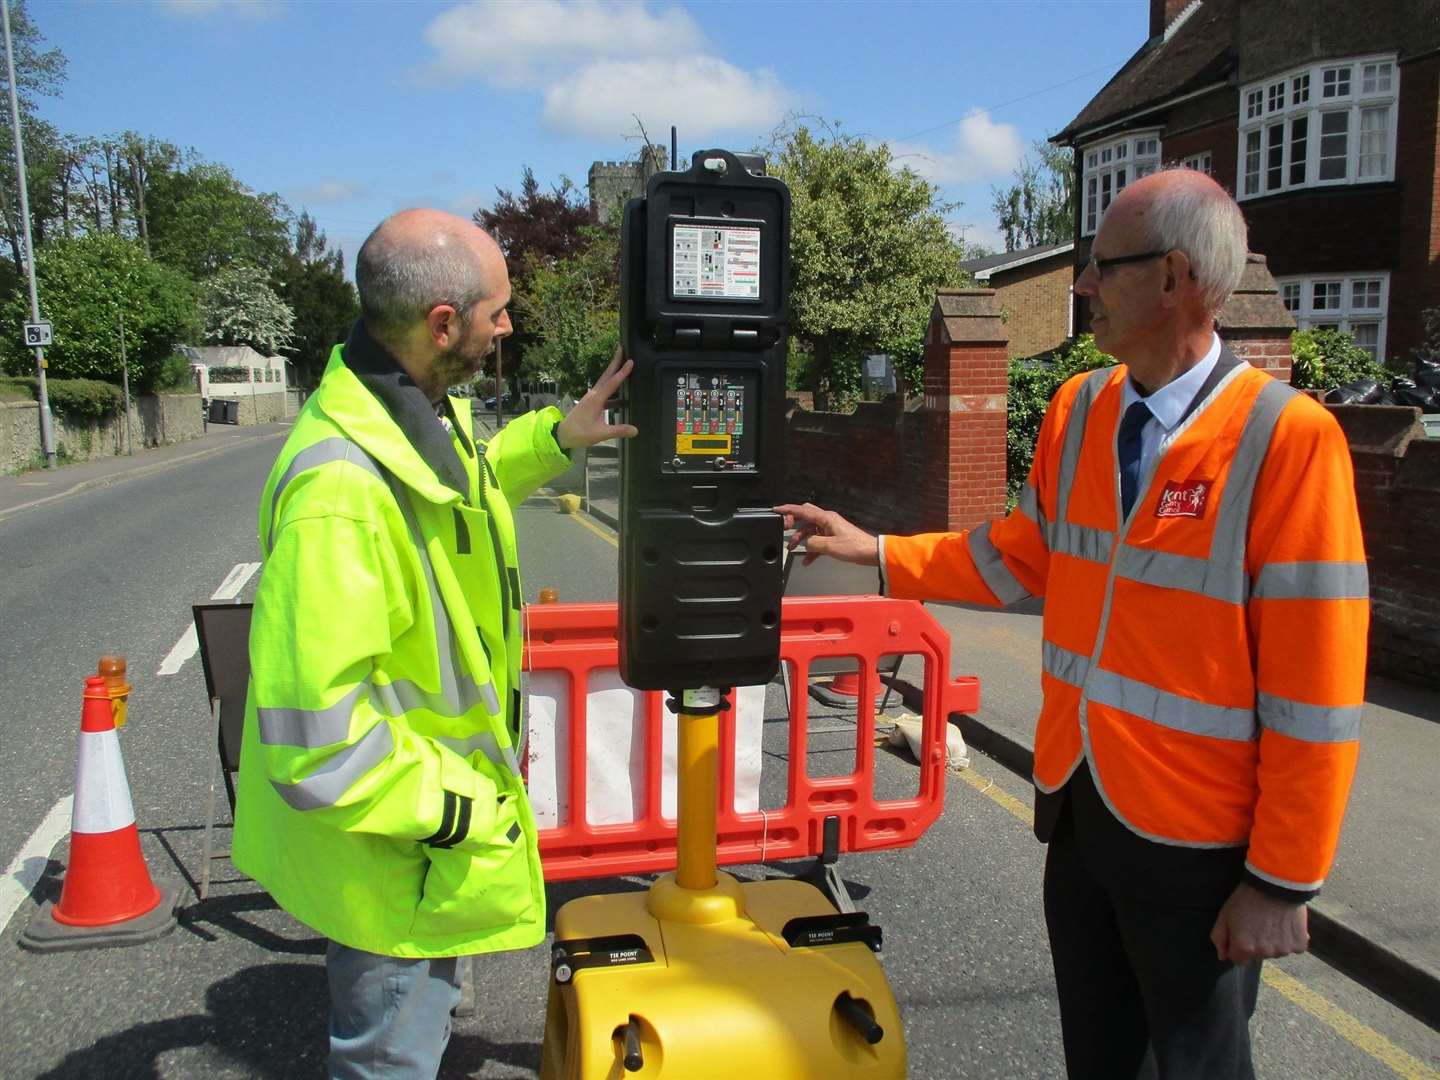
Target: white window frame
point(1308, 94)
point(1346, 316)
point(1124, 159)
point(1200, 163)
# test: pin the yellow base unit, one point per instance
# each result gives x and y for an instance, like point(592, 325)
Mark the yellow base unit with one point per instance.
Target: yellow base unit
point(761, 981)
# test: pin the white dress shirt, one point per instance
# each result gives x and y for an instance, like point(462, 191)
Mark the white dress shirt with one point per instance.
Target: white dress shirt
point(1168, 405)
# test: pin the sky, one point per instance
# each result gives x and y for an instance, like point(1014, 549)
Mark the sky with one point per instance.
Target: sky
point(353, 110)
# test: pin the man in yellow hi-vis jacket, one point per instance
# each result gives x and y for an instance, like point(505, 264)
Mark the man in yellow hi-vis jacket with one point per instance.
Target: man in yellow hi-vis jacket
point(380, 797)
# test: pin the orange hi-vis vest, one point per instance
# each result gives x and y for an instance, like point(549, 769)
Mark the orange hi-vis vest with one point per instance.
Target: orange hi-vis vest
point(1206, 655)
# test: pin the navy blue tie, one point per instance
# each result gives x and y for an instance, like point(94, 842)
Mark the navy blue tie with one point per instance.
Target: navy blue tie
point(1136, 417)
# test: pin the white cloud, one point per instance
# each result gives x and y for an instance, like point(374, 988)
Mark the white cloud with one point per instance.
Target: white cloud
point(981, 150)
point(703, 95)
point(249, 9)
point(329, 191)
point(526, 44)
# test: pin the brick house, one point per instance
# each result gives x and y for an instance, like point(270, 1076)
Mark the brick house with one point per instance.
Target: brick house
point(1033, 287)
point(1320, 117)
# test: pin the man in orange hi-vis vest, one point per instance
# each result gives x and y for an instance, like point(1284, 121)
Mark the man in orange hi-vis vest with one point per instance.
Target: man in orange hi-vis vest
point(1192, 524)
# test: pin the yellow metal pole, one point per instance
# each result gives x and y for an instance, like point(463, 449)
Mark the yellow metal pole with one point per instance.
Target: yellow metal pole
point(698, 778)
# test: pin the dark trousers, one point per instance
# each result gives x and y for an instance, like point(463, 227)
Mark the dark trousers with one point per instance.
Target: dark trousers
point(1135, 969)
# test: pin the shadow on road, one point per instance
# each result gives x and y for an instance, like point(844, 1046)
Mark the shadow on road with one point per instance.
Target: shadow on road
point(270, 1019)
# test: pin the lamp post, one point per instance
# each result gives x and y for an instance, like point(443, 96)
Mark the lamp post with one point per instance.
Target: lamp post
point(47, 435)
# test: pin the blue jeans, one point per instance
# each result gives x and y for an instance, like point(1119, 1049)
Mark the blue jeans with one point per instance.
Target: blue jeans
point(389, 1016)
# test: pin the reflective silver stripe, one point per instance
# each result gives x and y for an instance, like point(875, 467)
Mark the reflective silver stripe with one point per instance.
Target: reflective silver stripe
point(992, 568)
point(309, 727)
point(1081, 541)
point(1313, 581)
point(1309, 723)
point(1075, 437)
point(1298, 886)
point(1029, 504)
point(484, 742)
point(327, 784)
point(402, 696)
point(459, 693)
point(320, 453)
point(1068, 667)
point(1170, 710)
point(1227, 545)
point(1210, 577)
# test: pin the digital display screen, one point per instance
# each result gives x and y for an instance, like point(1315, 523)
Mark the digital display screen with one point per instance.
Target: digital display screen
point(715, 262)
point(711, 409)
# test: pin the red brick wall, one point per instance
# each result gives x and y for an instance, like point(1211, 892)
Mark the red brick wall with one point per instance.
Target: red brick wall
point(1036, 301)
point(937, 468)
point(1397, 482)
point(1269, 350)
point(1218, 139)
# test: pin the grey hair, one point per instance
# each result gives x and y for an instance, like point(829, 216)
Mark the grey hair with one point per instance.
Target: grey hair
point(399, 282)
point(1204, 222)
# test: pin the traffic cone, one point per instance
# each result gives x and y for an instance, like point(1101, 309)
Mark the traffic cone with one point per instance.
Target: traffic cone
point(107, 897)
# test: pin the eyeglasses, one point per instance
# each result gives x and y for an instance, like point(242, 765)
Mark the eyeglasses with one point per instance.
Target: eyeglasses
point(1101, 265)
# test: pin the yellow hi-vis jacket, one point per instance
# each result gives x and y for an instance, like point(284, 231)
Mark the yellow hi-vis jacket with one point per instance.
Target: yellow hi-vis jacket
point(380, 799)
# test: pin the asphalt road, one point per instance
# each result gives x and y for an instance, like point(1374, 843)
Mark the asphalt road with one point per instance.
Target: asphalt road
point(238, 990)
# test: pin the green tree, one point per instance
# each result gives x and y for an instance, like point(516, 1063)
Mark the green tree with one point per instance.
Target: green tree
point(570, 309)
point(868, 250)
point(201, 219)
point(38, 71)
point(311, 280)
point(85, 285)
point(1039, 206)
point(238, 307)
point(1325, 359)
point(1033, 382)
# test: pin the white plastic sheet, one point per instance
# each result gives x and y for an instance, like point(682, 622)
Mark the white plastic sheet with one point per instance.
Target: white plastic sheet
point(615, 749)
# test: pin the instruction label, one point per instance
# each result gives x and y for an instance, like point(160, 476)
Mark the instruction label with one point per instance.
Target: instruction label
point(716, 262)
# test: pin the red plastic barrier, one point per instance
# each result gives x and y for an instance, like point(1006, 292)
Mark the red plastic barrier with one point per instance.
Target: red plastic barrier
point(579, 638)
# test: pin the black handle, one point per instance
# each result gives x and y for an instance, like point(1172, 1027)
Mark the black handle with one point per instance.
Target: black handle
point(634, 1060)
point(858, 1017)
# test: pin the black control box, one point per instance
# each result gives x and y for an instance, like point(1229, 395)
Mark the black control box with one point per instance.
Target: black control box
point(705, 275)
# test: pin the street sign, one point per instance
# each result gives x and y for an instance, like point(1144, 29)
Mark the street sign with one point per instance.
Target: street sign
point(37, 333)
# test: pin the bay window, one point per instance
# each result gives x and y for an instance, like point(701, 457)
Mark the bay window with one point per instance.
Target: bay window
point(1329, 123)
point(1109, 166)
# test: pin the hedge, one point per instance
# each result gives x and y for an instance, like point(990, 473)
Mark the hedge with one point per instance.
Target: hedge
point(80, 399)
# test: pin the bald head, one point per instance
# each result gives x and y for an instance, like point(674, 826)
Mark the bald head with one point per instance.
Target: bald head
point(1182, 209)
point(417, 259)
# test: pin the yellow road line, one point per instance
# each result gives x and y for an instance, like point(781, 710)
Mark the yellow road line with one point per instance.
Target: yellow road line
point(1347, 1027)
point(604, 534)
point(986, 787)
point(1364, 1038)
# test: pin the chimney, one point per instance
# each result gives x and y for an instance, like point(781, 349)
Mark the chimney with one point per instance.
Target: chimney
point(1163, 12)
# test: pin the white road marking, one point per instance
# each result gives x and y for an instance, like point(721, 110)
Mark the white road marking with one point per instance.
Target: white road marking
point(235, 581)
point(189, 643)
point(34, 855)
point(186, 647)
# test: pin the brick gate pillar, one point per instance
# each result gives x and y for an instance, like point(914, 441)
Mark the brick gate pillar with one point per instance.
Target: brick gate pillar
point(962, 482)
point(1254, 322)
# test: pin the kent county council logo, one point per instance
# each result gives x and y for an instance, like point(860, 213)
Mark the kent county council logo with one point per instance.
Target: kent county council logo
point(1183, 499)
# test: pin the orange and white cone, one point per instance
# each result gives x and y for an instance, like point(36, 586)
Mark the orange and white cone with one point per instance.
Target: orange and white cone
point(107, 897)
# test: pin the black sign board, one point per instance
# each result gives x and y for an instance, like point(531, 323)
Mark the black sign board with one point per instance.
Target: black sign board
point(705, 275)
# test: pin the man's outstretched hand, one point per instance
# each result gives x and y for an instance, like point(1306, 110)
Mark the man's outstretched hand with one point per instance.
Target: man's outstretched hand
point(824, 532)
point(585, 425)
